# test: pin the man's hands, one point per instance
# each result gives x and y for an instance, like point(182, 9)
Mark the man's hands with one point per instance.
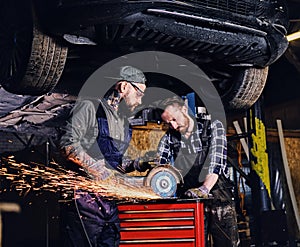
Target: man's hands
point(99, 171)
point(141, 165)
point(201, 192)
point(133, 165)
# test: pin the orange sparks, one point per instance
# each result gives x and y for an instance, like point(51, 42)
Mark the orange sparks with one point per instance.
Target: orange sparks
point(36, 177)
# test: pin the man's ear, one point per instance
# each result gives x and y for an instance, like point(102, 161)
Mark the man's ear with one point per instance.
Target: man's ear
point(122, 86)
point(184, 109)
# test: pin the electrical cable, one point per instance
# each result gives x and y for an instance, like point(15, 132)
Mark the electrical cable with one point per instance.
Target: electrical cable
point(81, 221)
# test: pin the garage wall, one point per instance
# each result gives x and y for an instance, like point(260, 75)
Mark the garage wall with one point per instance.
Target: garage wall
point(145, 139)
point(288, 112)
point(293, 155)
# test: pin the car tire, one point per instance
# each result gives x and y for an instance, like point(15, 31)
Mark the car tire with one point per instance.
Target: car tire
point(31, 62)
point(247, 88)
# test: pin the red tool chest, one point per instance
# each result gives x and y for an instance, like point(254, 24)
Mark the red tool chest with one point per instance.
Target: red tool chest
point(165, 223)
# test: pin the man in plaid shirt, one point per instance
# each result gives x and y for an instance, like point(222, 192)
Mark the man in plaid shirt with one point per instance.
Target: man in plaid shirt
point(186, 145)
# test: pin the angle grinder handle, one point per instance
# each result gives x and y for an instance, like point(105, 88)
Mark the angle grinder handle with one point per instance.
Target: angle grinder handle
point(141, 165)
point(133, 165)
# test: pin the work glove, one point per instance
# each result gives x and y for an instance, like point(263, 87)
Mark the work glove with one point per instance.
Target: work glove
point(99, 171)
point(126, 166)
point(201, 192)
point(133, 165)
point(140, 165)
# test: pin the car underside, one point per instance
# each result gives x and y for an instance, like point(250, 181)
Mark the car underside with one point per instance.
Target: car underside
point(232, 41)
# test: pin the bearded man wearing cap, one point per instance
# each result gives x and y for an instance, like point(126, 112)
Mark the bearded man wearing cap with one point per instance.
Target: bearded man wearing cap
point(95, 138)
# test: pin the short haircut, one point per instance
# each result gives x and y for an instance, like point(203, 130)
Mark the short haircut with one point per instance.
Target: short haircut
point(175, 100)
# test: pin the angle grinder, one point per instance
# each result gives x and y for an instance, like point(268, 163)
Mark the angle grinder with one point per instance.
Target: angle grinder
point(162, 179)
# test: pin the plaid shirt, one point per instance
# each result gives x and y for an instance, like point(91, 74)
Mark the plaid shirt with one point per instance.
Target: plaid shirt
point(170, 144)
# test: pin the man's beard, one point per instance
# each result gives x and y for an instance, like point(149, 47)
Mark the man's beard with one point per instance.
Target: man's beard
point(124, 110)
point(182, 130)
point(184, 127)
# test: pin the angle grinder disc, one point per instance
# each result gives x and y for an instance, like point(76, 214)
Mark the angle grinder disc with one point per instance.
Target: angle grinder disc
point(163, 180)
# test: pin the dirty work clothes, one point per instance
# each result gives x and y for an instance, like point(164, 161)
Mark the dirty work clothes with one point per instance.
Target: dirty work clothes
point(97, 226)
point(220, 215)
point(192, 152)
point(95, 129)
point(189, 155)
point(221, 224)
point(88, 131)
point(114, 134)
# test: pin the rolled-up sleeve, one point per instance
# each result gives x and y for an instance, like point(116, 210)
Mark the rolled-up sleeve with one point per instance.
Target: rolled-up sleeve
point(73, 142)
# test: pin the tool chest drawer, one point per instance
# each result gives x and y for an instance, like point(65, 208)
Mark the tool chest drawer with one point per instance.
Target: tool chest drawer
point(176, 223)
